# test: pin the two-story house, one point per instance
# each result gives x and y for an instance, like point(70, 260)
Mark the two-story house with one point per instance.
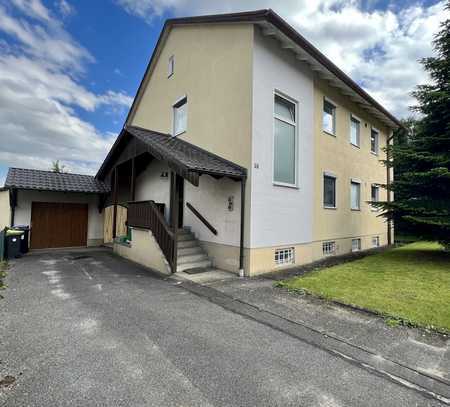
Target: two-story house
point(245, 149)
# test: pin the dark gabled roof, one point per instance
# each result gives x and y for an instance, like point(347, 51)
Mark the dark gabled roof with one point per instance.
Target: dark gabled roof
point(22, 178)
point(259, 16)
point(186, 159)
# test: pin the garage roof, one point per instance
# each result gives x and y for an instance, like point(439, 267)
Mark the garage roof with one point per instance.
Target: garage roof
point(22, 178)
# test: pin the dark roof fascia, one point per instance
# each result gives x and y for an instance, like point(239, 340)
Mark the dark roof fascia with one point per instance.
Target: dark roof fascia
point(57, 190)
point(273, 18)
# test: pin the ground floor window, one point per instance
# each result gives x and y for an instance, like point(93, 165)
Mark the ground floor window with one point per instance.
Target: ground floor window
point(285, 256)
point(329, 248)
point(376, 241)
point(356, 245)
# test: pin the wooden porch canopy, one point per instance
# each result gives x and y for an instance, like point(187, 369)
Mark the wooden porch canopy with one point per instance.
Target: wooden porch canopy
point(185, 159)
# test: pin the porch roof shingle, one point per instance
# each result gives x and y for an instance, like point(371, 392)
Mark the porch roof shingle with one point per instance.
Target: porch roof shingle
point(23, 178)
point(189, 156)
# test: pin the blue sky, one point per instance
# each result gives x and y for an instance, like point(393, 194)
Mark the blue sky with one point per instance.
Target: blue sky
point(69, 69)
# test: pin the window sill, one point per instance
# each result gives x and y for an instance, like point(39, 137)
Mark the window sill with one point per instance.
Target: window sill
point(281, 184)
point(355, 209)
point(330, 207)
point(330, 134)
point(373, 153)
point(355, 145)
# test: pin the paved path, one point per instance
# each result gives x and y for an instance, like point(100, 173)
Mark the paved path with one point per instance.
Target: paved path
point(95, 330)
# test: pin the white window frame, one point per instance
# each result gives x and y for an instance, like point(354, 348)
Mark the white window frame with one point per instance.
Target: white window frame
point(284, 255)
point(375, 241)
point(328, 100)
point(353, 117)
point(377, 143)
point(330, 175)
point(378, 195)
point(358, 248)
point(171, 66)
point(174, 107)
point(295, 124)
point(356, 182)
point(329, 248)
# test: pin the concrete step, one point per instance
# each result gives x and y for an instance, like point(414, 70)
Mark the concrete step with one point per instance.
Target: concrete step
point(184, 251)
point(194, 265)
point(183, 244)
point(185, 236)
point(191, 258)
point(184, 231)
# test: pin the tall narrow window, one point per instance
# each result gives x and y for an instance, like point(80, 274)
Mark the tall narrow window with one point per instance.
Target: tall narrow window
point(285, 128)
point(355, 195)
point(354, 130)
point(171, 66)
point(329, 191)
point(180, 116)
point(374, 195)
point(374, 141)
point(329, 117)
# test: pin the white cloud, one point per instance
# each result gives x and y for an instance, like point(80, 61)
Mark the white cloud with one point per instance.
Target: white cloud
point(65, 8)
point(41, 95)
point(380, 49)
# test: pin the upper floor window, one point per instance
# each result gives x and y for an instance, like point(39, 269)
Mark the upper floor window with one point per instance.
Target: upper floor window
point(329, 191)
point(285, 134)
point(180, 116)
point(355, 195)
point(355, 126)
point(329, 117)
point(374, 141)
point(374, 194)
point(171, 66)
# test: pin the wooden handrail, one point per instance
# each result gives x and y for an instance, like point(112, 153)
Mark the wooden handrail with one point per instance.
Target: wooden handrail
point(147, 215)
point(200, 216)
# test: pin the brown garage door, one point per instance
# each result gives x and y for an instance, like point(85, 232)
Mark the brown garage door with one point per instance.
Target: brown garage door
point(58, 225)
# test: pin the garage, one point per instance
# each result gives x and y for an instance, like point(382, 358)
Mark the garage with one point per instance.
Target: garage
point(62, 209)
point(58, 225)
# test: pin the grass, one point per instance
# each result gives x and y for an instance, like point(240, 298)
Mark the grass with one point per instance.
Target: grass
point(408, 285)
point(3, 266)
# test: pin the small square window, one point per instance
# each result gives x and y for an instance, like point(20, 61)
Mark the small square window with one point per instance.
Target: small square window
point(376, 241)
point(329, 191)
point(180, 116)
point(329, 248)
point(374, 141)
point(171, 66)
point(355, 126)
point(356, 245)
point(329, 117)
point(285, 256)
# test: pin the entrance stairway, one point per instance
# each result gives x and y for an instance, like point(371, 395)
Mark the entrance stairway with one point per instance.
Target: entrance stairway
point(190, 253)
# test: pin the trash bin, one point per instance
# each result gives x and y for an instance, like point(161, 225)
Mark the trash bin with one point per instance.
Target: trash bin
point(23, 238)
point(13, 238)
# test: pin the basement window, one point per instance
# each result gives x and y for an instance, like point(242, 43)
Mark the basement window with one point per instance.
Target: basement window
point(356, 245)
point(285, 256)
point(329, 248)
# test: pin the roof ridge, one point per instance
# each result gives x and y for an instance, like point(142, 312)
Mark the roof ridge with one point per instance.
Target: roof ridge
point(50, 171)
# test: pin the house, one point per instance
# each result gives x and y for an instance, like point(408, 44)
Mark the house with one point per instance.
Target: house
point(245, 148)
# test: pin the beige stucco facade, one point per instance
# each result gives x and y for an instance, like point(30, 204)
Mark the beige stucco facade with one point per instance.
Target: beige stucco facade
point(5, 210)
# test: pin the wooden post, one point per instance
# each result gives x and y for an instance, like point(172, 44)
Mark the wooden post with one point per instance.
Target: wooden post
point(133, 180)
point(174, 204)
point(114, 225)
point(241, 245)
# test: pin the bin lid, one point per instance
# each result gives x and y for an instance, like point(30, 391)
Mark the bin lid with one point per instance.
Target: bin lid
point(12, 232)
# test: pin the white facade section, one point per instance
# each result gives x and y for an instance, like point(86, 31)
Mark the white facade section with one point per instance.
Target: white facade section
point(22, 214)
point(151, 185)
point(280, 215)
point(219, 202)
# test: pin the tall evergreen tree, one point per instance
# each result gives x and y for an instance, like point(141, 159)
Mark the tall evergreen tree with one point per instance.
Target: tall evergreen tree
point(421, 159)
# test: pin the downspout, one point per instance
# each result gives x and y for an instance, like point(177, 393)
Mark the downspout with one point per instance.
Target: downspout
point(388, 191)
point(13, 203)
point(241, 245)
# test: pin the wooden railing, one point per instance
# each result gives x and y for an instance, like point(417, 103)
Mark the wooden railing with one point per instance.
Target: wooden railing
point(202, 219)
point(147, 215)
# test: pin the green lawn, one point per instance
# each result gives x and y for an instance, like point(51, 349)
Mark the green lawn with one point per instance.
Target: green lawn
point(3, 266)
point(410, 283)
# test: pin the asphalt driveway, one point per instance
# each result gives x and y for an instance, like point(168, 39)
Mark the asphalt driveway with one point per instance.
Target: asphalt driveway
point(90, 329)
